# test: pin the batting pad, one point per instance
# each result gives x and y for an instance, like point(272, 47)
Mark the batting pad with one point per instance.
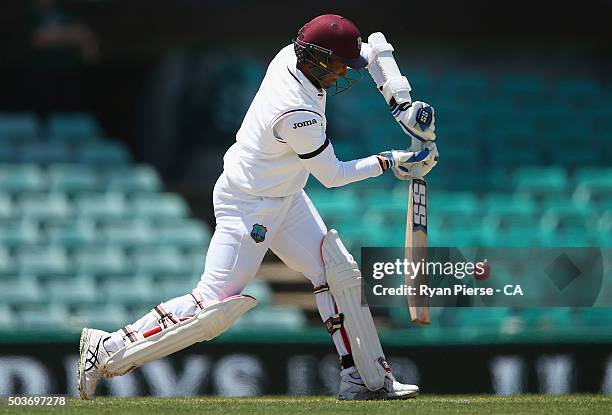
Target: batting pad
point(210, 322)
point(344, 280)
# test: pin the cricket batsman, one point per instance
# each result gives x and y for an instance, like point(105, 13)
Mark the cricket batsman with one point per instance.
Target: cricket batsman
point(260, 204)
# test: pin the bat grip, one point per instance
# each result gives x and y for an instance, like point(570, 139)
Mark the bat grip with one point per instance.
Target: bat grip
point(416, 145)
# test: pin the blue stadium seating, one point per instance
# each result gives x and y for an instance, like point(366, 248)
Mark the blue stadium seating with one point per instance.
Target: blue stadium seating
point(88, 236)
point(79, 127)
point(103, 154)
point(16, 127)
point(21, 178)
point(73, 178)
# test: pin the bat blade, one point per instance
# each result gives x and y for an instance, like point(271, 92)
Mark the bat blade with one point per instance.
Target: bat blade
point(416, 248)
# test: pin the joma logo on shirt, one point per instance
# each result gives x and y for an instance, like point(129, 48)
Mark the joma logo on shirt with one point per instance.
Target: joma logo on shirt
point(297, 125)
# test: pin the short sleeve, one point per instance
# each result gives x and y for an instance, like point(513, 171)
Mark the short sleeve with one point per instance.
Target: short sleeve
point(303, 131)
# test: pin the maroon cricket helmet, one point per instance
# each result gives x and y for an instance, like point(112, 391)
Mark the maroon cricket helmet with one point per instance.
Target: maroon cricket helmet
point(336, 35)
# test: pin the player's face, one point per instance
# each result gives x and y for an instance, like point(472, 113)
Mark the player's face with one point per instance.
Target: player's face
point(338, 70)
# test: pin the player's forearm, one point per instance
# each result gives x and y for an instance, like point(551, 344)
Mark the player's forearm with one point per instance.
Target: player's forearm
point(352, 171)
point(332, 172)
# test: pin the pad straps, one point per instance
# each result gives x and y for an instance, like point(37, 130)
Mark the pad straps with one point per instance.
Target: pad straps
point(347, 361)
point(197, 300)
point(164, 318)
point(335, 322)
point(130, 335)
point(321, 289)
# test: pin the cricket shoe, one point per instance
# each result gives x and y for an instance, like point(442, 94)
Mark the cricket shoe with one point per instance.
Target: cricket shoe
point(93, 356)
point(352, 388)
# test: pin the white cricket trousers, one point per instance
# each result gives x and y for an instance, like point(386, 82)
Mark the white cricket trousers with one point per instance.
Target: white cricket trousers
point(247, 226)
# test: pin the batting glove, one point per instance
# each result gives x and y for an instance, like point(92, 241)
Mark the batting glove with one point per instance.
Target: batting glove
point(408, 164)
point(417, 120)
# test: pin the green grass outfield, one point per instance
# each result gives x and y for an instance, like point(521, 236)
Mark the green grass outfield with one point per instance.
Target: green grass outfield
point(271, 405)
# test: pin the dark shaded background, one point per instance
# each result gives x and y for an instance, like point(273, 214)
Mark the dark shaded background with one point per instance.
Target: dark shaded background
point(144, 45)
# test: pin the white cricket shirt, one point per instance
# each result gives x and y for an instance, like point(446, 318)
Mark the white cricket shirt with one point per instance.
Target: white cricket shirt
point(282, 138)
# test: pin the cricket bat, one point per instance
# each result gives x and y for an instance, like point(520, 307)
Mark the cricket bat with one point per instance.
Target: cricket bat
point(383, 68)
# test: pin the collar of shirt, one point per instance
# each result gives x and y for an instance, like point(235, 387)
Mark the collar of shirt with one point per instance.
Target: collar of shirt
point(305, 82)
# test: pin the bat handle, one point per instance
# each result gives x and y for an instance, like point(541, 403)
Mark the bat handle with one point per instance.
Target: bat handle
point(416, 145)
